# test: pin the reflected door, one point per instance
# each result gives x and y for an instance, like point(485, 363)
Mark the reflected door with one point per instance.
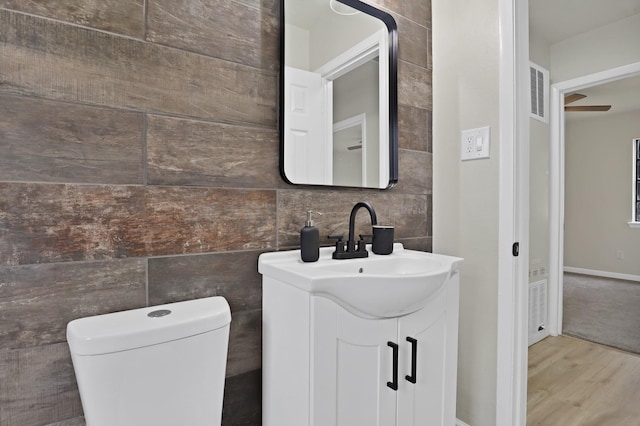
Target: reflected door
point(306, 158)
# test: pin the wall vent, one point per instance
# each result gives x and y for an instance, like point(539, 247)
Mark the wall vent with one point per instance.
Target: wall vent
point(537, 311)
point(539, 85)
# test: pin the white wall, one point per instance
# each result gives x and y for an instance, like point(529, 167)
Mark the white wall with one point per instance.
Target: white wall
point(354, 93)
point(465, 199)
point(297, 47)
point(539, 50)
point(539, 139)
point(598, 50)
point(538, 199)
point(310, 47)
point(330, 39)
point(598, 190)
point(466, 52)
point(601, 49)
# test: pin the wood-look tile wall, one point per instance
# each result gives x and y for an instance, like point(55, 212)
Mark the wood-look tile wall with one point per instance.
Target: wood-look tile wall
point(139, 166)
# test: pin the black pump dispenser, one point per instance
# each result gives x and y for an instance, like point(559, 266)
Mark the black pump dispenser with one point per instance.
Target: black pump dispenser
point(309, 241)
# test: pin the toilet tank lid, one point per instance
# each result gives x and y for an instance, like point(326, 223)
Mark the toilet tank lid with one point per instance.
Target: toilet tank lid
point(121, 331)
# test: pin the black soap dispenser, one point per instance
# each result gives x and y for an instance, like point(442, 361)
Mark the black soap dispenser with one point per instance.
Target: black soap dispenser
point(309, 241)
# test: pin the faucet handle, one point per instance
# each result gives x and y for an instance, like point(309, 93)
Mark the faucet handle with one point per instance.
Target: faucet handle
point(362, 245)
point(339, 243)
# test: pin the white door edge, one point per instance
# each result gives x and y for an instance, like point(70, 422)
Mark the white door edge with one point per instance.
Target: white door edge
point(511, 368)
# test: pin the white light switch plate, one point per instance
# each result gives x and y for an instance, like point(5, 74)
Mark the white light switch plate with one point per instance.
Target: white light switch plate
point(474, 143)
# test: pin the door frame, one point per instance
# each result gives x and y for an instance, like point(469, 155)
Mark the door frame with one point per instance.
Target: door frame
point(511, 376)
point(511, 366)
point(356, 120)
point(556, 180)
point(367, 49)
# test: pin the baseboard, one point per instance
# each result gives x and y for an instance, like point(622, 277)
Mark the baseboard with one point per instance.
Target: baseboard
point(540, 336)
point(460, 423)
point(605, 274)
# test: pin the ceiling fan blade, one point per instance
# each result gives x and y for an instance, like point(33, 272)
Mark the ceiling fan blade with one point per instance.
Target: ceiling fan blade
point(588, 108)
point(573, 97)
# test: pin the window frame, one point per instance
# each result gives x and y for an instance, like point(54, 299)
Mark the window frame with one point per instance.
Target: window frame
point(635, 184)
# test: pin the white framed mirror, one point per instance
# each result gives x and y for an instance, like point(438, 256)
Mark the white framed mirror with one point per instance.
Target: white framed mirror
point(338, 94)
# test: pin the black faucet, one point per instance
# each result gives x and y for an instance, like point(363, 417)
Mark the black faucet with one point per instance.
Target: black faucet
point(352, 252)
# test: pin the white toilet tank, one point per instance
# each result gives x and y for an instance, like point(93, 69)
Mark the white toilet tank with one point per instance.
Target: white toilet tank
point(157, 366)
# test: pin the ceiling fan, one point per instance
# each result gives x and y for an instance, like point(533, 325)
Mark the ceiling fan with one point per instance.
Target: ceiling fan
point(576, 97)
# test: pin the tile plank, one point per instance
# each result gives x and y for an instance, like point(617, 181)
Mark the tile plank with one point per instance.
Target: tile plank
point(119, 16)
point(233, 275)
point(186, 152)
point(57, 61)
point(415, 172)
point(406, 212)
point(203, 220)
point(419, 244)
point(414, 86)
point(414, 128)
point(245, 342)
point(37, 385)
point(42, 223)
point(225, 29)
point(413, 38)
point(37, 301)
point(50, 141)
point(243, 400)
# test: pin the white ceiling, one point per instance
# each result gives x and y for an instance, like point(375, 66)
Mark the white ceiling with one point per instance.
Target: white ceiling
point(558, 20)
point(306, 14)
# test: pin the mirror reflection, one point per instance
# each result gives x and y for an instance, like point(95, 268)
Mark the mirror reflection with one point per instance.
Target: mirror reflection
point(338, 108)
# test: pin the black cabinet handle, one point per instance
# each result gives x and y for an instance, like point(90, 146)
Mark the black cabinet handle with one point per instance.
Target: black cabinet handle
point(394, 384)
point(414, 359)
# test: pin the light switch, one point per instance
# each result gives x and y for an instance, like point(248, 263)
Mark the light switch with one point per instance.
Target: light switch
point(475, 143)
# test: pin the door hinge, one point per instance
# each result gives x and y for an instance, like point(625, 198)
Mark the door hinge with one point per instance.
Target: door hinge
point(515, 249)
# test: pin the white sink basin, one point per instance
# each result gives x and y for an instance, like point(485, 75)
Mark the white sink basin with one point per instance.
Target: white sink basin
point(374, 287)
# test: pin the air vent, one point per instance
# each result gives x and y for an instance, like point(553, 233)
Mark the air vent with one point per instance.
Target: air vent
point(539, 79)
point(537, 311)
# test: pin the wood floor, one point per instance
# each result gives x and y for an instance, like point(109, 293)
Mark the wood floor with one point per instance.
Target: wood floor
point(577, 383)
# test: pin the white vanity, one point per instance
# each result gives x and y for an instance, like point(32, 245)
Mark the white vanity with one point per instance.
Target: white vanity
point(368, 341)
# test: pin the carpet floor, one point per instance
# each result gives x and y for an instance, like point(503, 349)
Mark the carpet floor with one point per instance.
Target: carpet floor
point(602, 310)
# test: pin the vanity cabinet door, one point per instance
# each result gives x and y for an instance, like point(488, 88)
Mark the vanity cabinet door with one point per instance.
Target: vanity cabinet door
point(422, 337)
point(351, 364)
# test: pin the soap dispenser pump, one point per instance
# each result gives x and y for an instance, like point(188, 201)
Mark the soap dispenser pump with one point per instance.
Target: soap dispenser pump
point(309, 240)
